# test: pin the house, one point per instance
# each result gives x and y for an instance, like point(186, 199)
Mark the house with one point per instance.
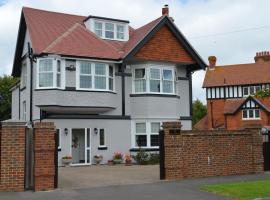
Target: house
point(230, 93)
point(105, 85)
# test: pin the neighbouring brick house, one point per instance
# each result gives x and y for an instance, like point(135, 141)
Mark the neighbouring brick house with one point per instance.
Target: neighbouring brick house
point(230, 90)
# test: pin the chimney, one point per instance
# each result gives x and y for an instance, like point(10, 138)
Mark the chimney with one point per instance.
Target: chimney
point(212, 62)
point(263, 56)
point(165, 10)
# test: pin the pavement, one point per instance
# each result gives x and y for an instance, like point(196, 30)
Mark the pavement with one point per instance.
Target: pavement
point(169, 190)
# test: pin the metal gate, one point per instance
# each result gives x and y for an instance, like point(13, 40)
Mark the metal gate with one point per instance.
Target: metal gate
point(29, 159)
point(266, 153)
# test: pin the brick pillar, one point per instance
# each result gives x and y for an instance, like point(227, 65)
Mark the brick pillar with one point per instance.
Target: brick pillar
point(173, 159)
point(12, 146)
point(44, 152)
point(257, 149)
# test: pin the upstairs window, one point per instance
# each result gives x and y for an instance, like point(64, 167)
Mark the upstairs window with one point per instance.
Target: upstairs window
point(109, 30)
point(120, 34)
point(98, 29)
point(95, 76)
point(49, 73)
point(156, 80)
point(250, 114)
point(251, 90)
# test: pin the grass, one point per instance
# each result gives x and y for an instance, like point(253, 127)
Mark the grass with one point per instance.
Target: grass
point(242, 190)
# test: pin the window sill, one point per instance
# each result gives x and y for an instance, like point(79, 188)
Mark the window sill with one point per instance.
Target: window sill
point(155, 95)
point(252, 119)
point(102, 148)
point(136, 149)
point(38, 89)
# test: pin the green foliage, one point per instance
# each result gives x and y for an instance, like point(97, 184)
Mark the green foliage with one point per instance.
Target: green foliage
point(242, 190)
point(6, 82)
point(199, 111)
point(143, 158)
point(263, 93)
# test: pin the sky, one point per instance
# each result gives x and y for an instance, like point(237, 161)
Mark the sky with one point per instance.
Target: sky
point(233, 31)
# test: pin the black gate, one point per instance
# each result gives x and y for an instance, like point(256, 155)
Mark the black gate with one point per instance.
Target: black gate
point(29, 159)
point(56, 159)
point(266, 154)
point(161, 155)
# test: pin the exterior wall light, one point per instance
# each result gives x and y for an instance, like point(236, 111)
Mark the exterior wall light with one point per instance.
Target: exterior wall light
point(96, 131)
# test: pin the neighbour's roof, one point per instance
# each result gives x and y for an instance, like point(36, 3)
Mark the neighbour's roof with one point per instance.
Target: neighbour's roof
point(231, 105)
point(202, 124)
point(66, 35)
point(240, 74)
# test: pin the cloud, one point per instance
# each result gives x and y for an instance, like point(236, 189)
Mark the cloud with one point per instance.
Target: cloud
point(193, 17)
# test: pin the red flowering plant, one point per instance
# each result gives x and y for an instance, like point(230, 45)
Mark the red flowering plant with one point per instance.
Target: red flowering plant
point(117, 156)
point(128, 158)
point(67, 157)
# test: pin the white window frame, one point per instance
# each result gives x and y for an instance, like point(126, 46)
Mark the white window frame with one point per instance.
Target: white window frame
point(54, 70)
point(24, 110)
point(60, 137)
point(96, 29)
point(94, 75)
point(24, 75)
point(148, 133)
point(251, 118)
point(104, 145)
point(249, 88)
point(147, 78)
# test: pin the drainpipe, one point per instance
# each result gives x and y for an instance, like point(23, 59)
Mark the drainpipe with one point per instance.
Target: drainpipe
point(212, 117)
point(123, 65)
point(31, 58)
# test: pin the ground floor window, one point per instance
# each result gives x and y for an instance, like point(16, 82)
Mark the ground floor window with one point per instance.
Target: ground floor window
point(102, 137)
point(147, 134)
point(251, 114)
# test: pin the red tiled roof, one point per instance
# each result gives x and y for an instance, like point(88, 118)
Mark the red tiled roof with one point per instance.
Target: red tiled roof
point(231, 105)
point(202, 124)
point(241, 74)
point(66, 34)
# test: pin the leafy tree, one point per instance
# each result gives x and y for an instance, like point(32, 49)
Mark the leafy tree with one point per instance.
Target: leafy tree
point(263, 93)
point(6, 82)
point(199, 111)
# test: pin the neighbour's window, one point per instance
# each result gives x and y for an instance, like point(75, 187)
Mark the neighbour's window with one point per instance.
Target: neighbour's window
point(251, 114)
point(141, 137)
point(49, 73)
point(251, 90)
point(120, 32)
point(24, 76)
point(24, 111)
point(154, 80)
point(109, 30)
point(58, 135)
point(101, 137)
point(95, 76)
point(98, 28)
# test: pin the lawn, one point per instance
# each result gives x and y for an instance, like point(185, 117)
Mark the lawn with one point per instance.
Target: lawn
point(241, 190)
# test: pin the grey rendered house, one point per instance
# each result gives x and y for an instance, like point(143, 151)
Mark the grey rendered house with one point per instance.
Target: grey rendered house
point(107, 86)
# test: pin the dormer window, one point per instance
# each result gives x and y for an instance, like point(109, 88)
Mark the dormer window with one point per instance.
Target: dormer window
point(106, 28)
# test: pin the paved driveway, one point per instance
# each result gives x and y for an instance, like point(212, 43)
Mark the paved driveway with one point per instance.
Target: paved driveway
point(104, 175)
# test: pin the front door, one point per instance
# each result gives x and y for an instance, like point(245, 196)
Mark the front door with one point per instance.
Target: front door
point(80, 146)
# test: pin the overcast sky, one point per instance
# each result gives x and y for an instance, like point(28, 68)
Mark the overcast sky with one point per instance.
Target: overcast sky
point(231, 30)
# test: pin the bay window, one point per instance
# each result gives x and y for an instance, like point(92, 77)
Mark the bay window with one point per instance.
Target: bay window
point(49, 73)
point(157, 80)
point(154, 135)
point(141, 137)
point(95, 76)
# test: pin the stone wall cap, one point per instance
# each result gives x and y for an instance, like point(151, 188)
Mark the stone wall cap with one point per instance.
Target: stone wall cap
point(13, 122)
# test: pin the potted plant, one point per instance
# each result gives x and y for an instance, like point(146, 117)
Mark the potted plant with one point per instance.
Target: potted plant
point(98, 159)
point(117, 158)
point(66, 160)
point(110, 162)
point(128, 159)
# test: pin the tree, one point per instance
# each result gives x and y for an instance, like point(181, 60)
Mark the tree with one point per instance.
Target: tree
point(199, 111)
point(6, 82)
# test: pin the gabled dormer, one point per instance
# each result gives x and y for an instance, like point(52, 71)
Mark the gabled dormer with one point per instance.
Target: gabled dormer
point(108, 28)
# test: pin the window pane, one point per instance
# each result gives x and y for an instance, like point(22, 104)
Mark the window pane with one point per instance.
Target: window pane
point(46, 79)
point(155, 126)
point(58, 80)
point(120, 28)
point(111, 71)
point(245, 91)
point(85, 68)
point(98, 25)
point(258, 88)
point(154, 73)
point(245, 114)
point(154, 140)
point(101, 137)
point(251, 114)
point(141, 140)
point(140, 86)
point(100, 82)
point(45, 65)
point(100, 69)
point(85, 81)
point(120, 35)
point(167, 86)
point(167, 74)
point(110, 84)
point(140, 128)
point(252, 90)
point(154, 86)
point(109, 27)
point(139, 73)
point(257, 113)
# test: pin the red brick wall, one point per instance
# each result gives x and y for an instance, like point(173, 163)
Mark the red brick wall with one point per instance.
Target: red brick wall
point(44, 149)
point(12, 145)
point(164, 46)
point(211, 153)
point(217, 111)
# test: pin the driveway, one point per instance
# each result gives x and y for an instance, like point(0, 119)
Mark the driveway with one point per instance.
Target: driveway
point(104, 175)
point(177, 190)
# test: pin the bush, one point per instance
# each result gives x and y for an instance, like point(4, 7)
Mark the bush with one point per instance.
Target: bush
point(154, 159)
point(143, 158)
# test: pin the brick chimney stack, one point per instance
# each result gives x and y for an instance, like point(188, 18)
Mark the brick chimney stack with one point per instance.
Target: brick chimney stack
point(212, 62)
point(165, 10)
point(263, 56)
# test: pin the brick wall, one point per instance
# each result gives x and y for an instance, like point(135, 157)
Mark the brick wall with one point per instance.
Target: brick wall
point(44, 150)
point(190, 154)
point(12, 147)
point(164, 46)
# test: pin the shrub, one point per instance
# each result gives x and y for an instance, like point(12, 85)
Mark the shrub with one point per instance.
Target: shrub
point(154, 159)
point(141, 157)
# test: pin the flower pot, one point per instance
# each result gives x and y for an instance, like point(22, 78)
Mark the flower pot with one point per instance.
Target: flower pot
point(110, 162)
point(117, 161)
point(98, 160)
point(66, 162)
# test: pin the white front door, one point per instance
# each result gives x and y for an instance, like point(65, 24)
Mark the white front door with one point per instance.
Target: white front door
point(80, 146)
